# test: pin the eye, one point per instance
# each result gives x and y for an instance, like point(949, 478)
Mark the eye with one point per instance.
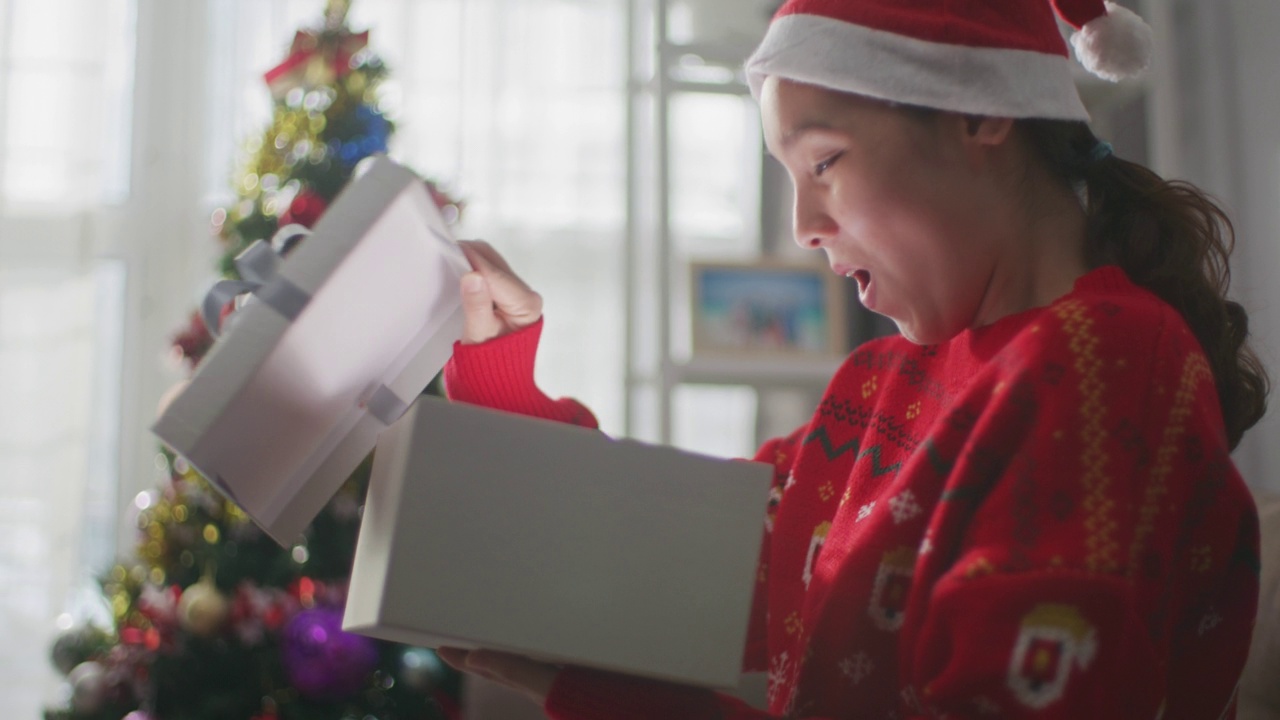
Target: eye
point(825, 165)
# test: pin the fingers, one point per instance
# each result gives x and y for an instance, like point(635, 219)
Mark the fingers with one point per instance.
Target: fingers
point(515, 304)
point(479, 250)
point(480, 322)
point(455, 658)
point(529, 676)
point(533, 678)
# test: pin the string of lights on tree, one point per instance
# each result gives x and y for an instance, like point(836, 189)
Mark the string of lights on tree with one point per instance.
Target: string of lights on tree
point(213, 619)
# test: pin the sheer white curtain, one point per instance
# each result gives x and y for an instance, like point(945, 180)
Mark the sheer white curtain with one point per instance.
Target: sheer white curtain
point(66, 68)
point(67, 72)
point(518, 107)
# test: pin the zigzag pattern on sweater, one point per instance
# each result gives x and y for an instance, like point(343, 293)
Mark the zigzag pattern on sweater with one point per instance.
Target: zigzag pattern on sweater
point(832, 452)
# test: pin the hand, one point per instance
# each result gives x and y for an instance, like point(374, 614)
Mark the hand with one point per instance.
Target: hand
point(495, 301)
point(530, 677)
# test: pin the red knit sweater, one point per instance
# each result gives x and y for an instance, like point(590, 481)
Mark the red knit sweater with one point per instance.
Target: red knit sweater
point(1037, 518)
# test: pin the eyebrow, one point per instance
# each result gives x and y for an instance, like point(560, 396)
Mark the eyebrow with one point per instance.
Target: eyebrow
point(790, 138)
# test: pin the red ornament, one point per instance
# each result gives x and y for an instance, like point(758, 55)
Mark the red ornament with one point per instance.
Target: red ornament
point(257, 611)
point(438, 195)
point(160, 604)
point(274, 617)
point(304, 589)
point(305, 210)
point(449, 207)
point(225, 313)
point(194, 341)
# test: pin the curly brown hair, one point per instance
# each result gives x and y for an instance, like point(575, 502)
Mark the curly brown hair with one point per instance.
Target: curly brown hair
point(1170, 238)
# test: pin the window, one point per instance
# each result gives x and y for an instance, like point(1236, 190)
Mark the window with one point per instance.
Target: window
point(63, 62)
point(518, 108)
point(66, 69)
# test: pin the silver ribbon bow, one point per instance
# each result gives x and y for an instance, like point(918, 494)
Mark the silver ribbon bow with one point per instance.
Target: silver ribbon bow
point(385, 406)
point(259, 267)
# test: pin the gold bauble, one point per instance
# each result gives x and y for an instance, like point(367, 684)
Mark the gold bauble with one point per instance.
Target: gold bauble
point(357, 82)
point(319, 71)
point(202, 609)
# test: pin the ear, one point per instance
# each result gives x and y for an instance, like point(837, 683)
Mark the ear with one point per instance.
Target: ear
point(984, 130)
point(979, 135)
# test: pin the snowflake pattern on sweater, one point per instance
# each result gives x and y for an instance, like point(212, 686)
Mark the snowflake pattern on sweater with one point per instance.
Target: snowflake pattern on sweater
point(1038, 518)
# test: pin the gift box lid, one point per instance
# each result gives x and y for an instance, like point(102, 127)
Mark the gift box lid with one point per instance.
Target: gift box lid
point(335, 344)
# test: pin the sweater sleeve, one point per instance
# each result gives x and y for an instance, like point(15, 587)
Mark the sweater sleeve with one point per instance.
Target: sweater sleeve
point(1099, 555)
point(499, 374)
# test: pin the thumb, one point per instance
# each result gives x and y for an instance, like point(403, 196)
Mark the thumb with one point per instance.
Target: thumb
point(479, 323)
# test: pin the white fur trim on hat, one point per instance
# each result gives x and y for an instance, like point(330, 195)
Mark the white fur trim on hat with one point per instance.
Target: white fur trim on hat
point(852, 58)
point(1115, 46)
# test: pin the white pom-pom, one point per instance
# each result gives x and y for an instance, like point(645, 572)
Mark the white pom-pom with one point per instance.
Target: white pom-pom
point(1115, 46)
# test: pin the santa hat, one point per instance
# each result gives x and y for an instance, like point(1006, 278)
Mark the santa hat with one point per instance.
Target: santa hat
point(980, 57)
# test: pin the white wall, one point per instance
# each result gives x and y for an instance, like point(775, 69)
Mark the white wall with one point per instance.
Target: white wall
point(1255, 130)
point(1214, 112)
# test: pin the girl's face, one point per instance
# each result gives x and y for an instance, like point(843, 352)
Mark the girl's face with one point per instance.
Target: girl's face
point(901, 202)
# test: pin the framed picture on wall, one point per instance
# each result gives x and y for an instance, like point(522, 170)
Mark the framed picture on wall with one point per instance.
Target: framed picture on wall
point(766, 308)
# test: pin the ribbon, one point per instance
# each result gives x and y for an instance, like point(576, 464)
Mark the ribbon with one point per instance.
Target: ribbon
point(259, 267)
point(385, 406)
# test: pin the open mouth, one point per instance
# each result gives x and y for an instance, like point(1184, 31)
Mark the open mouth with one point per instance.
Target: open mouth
point(863, 279)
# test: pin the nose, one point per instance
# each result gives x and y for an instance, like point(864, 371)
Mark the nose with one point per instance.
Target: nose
point(812, 225)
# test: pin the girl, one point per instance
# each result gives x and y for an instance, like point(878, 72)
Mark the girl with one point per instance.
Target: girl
point(1024, 504)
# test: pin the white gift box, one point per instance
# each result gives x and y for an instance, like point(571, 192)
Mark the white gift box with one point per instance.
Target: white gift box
point(352, 326)
point(487, 529)
point(481, 528)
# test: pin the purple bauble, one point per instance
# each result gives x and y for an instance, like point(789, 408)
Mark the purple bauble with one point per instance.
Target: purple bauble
point(323, 662)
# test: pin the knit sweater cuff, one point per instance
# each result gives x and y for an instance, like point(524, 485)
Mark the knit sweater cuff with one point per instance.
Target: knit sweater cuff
point(498, 374)
point(581, 694)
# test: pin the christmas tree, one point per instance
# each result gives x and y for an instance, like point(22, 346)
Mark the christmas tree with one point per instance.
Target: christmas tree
point(214, 619)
